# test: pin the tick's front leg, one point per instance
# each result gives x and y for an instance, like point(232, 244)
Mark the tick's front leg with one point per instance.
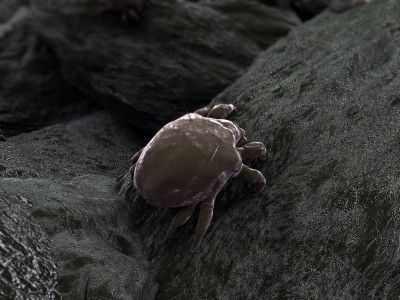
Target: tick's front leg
point(252, 150)
point(219, 111)
point(254, 177)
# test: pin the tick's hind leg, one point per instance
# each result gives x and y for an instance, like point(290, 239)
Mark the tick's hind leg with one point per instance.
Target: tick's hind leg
point(180, 218)
point(219, 111)
point(205, 216)
point(254, 177)
point(252, 150)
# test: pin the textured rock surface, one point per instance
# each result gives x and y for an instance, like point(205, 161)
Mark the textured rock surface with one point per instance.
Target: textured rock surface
point(61, 60)
point(67, 55)
point(33, 92)
point(262, 23)
point(66, 174)
point(325, 100)
point(90, 236)
point(177, 58)
point(26, 267)
point(307, 9)
point(94, 144)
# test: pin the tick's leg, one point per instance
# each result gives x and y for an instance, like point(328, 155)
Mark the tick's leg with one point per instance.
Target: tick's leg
point(180, 218)
point(254, 177)
point(221, 111)
point(243, 139)
point(135, 157)
point(205, 216)
point(203, 111)
point(252, 150)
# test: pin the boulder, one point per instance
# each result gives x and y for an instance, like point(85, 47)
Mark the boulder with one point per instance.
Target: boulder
point(33, 93)
point(175, 59)
point(325, 101)
point(96, 254)
point(65, 177)
point(262, 23)
point(94, 144)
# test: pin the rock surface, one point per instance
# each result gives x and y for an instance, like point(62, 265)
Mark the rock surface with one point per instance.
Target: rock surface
point(66, 174)
point(94, 144)
point(33, 93)
point(27, 270)
point(310, 8)
point(90, 237)
point(325, 100)
point(307, 9)
point(174, 60)
point(60, 62)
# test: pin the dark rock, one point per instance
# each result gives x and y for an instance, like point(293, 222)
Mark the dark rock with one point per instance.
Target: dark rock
point(66, 173)
point(94, 144)
point(174, 60)
point(26, 267)
point(90, 237)
point(282, 4)
point(2, 137)
point(33, 93)
point(261, 23)
point(61, 60)
point(310, 8)
point(325, 102)
point(8, 11)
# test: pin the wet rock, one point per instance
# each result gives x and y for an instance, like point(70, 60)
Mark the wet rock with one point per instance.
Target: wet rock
point(325, 102)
